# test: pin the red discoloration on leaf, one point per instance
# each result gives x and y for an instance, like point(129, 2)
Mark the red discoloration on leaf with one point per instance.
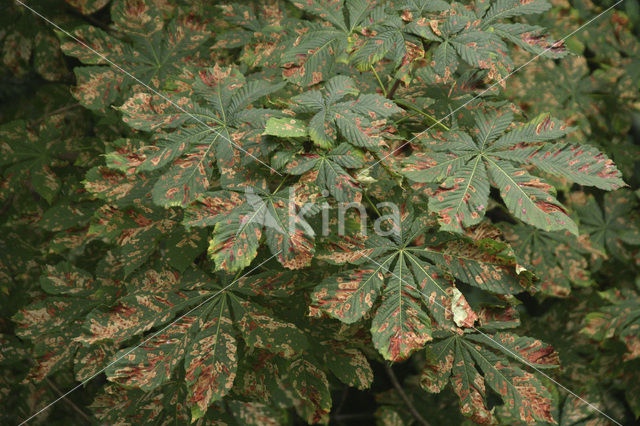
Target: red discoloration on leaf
point(211, 363)
point(349, 296)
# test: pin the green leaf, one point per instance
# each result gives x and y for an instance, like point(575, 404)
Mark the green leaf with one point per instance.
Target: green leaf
point(214, 133)
point(462, 199)
point(285, 128)
point(310, 384)
point(466, 168)
point(134, 314)
point(470, 364)
point(352, 119)
point(349, 296)
point(503, 9)
point(400, 325)
point(260, 330)
point(235, 242)
point(151, 364)
point(147, 50)
point(614, 226)
point(413, 283)
point(529, 198)
point(560, 259)
point(211, 362)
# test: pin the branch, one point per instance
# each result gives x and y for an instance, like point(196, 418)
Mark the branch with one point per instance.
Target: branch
point(384, 91)
point(403, 395)
point(346, 417)
point(336, 416)
point(57, 111)
point(408, 105)
point(393, 89)
point(68, 401)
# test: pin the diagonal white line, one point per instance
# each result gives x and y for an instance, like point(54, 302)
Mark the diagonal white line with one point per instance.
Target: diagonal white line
point(557, 43)
point(207, 300)
point(524, 361)
point(127, 73)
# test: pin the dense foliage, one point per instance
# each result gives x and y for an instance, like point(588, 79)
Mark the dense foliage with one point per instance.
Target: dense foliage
point(313, 211)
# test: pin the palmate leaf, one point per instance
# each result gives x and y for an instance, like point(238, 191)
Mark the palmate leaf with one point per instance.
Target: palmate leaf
point(148, 51)
point(559, 259)
point(409, 279)
point(137, 232)
point(342, 357)
point(393, 37)
point(31, 153)
point(131, 406)
point(466, 167)
point(329, 170)
point(210, 134)
point(355, 120)
point(615, 226)
point(54, 322)
point(471, 362)
point(359, 32)
point(475, 37)
point(313, 55)
point(619, 318)
point(27, 44)
point(205, 338)
point(246, 216)
point(372, 33)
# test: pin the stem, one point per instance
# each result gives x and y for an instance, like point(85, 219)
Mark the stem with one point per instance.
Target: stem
point(384, 91)
point(343, 417)
point(343, 398)
point(393, 89)
point(419, 111)
point(67, 400)
point(280, 185)
point(57, 111)
point(403, 395)
point(406, 117)
point(373, 206)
